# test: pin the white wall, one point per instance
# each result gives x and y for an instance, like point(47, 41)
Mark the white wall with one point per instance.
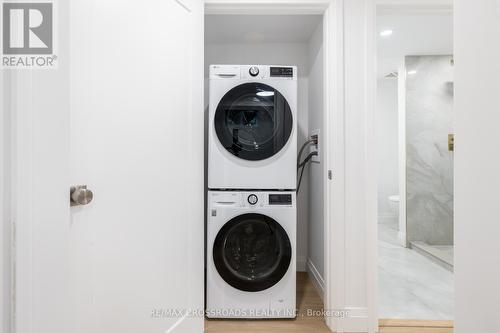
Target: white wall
point(387, 146)
point(316, 121)
point(477, 161)
point(279, 54)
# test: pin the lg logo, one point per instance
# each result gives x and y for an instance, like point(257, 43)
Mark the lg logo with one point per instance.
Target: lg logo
point(27, 28)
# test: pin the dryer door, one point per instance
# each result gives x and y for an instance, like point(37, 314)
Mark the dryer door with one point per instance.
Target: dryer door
point(253, 121)
point(252, 252)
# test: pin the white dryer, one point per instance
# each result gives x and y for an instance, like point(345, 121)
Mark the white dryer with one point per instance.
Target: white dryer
point(252, 127)
point(251, 242)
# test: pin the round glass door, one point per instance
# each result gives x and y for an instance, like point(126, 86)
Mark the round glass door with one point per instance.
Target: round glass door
point(253, 121)
point(252, 252)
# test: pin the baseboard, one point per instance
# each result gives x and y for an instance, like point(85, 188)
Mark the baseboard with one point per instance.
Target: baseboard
point(316, 278)
point(357, 319)
point(302, 264)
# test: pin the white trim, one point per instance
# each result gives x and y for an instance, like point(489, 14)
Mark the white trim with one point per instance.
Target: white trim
point(402, 153)
point(6, 225)
point(22, 200)
point(4, 188)
point(435, 5)
point(358, 320)
point(422, 9)
point(316, 278)
point(352, 196)
point(334, 156)
point(266, 7)
point(195, 147)
point(2, 201)
point(301, 264)
point(371, 172)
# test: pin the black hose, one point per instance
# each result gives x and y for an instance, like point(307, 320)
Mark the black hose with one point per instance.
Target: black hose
point(303, 165)
point(308, 158)
point(299, 156)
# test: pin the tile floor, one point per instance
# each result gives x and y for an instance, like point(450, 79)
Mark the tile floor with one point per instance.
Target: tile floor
point(441, 254)
point(411, 286)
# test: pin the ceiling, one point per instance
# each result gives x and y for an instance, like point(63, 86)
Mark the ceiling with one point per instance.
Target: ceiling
point(260, 28)
point(413, 34)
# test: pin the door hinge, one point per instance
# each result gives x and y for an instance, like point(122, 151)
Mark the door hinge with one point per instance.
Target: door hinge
point(451, 142)
point(330, 174)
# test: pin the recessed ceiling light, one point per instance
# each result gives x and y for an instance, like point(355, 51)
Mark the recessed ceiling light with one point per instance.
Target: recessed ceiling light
point(412, 72)
point(386, 33)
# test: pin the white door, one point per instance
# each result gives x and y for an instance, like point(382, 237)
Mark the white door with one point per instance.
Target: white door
point(131, 73)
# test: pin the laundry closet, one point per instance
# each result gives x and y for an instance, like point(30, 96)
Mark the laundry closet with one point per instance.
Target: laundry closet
point(267, 44)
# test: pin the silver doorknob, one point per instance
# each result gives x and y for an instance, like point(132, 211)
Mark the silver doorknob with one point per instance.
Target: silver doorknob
point(80, 195)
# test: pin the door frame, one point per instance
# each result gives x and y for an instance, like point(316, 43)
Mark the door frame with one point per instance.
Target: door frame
point(416, 7)
point(3, 175)
point(5, 190)
point(336, 257)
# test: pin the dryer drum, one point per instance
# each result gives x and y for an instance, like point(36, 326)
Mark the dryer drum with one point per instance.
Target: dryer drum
point(252, 252)
point(253, 121)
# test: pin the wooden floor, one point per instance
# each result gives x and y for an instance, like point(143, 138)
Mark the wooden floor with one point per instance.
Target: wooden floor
point(308, 298)
point(415, 326)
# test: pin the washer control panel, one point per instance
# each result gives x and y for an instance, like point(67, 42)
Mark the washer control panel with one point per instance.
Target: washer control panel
point(267, 199)
point(250, 199)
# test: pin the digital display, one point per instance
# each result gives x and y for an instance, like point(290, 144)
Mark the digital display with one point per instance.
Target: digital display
point(281, 72)
point(280, 199)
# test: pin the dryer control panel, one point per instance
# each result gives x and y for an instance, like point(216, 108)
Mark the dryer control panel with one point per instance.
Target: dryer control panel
point(253, 72)
point(281, 71)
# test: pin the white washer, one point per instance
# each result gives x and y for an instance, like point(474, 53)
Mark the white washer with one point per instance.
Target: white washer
point(252, 127)
point(251, 242)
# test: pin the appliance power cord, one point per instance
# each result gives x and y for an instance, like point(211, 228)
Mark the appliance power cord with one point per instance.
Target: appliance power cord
point(303, 165)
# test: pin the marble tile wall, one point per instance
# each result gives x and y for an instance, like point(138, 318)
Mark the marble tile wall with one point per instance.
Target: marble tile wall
point(429, 170)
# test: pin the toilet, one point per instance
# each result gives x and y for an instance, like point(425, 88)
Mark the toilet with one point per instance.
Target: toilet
point(394, 204)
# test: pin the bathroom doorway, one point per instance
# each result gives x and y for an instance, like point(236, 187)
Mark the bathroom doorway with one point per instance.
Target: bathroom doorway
point(414, 126)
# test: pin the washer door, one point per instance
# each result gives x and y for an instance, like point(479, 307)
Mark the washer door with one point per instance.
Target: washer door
point(252, 252)
point(253, 121)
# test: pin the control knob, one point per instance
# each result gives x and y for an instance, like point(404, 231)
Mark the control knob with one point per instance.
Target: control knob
point(252, 199)
point(254, 71)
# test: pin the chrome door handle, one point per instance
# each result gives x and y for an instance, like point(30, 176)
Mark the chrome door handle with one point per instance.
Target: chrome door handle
point(80, 195)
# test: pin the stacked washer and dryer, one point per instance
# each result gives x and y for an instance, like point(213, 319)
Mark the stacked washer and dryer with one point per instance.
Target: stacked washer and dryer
point(251, 222)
